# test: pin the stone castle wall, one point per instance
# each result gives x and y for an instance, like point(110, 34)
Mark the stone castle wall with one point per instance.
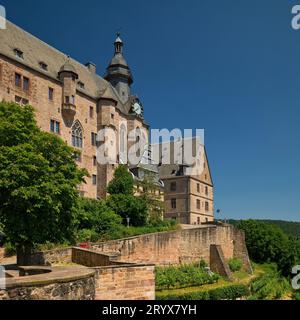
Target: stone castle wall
point(125, 282)
point(185, 246)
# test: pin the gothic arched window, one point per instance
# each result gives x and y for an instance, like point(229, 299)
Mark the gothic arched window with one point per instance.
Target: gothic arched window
point(77, 135)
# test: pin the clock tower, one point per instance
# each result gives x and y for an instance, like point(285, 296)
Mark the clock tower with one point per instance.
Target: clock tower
point(118, 72)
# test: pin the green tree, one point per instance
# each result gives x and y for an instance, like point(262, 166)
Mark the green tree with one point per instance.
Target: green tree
point(129, 206)
point(268, 243)
point(96, 216)
point(122, 182)
point(38, 182)
point(152, 197)
point(122, 200)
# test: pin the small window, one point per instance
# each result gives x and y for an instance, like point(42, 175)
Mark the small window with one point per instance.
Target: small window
point(77, 157)
point(206, 206)
point(73, 99)
point(81, 85)
point(18, 80)
point(198, 187)
point(173, 186)
point(18, 99)
point(19, 53)
point(94, 138)
point(112, 116)
point(55, 126)
point(173, 203)
point(25, 101)
point(206, 191)
point(91, 112)
point(67, 99)
point(51, 94)
point(43, 66)
point(94, 161)
point(198, 220)
point(94, 180)
point(25, 84)
point(198, 204)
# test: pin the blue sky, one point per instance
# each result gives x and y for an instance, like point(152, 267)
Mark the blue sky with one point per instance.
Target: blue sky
point(230, 67)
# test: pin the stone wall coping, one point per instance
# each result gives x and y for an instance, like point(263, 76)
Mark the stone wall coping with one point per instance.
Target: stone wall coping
point(125, 265)
point(91, 250)
point(58, 275)
point(156, 233)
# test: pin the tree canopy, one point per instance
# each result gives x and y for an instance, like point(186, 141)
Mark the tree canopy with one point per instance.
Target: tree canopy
point(268, 243)
point(38, 181)
point(122, 200)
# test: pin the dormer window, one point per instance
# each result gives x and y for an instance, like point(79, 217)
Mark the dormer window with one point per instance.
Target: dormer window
point(18, 53)
point(81, 85)
point(43, 66)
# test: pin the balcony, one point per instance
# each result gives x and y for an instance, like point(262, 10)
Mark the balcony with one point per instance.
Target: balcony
point(69, 109)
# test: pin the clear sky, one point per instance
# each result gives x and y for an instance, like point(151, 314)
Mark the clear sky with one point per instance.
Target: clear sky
point(230, 67)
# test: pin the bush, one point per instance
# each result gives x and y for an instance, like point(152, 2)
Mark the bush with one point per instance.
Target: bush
point(89, 235)
point(182, 277)
point(9, 249)
point(235, 264)
point(231, 292)
point(296, 295)
point(269, 286)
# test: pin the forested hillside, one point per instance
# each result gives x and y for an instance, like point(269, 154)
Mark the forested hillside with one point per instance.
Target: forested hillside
point(289, 227)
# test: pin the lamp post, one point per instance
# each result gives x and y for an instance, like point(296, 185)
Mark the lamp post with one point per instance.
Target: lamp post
point(128, 222)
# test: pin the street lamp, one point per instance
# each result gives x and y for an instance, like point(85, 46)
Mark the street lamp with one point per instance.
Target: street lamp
point(128, 222)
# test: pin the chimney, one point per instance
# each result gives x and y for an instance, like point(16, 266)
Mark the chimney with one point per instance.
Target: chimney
point(91, 66)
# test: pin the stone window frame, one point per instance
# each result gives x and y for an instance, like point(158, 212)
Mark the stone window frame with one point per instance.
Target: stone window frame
point(18, 80)
point(26, 84)
point(50, 94)
point(173, 186)
point(174, 203)
point(198, 204)
point(54, 126)
point(77, 135)
point(206, 206)
point(92, 112)
point(94, 179)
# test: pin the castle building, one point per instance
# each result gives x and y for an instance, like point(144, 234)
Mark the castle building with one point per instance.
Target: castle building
point(74, 102)
point(70, 99)
point(188, 188)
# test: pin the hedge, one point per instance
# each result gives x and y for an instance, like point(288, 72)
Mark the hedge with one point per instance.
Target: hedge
point(231, 292)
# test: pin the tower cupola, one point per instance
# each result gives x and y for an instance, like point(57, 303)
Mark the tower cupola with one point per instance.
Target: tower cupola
point(118, 72)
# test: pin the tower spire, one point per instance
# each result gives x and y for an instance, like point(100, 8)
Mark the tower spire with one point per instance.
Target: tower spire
point(118, 72)
point(118, 44)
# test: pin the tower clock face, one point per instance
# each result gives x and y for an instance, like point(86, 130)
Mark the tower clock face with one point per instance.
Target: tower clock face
point(137, 108)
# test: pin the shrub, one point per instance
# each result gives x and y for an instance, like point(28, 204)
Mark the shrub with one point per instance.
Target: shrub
point(87, 235)
point(235, 264)
point(231, 292)
point(296, 295)
point(269, 286)
point(9, 249)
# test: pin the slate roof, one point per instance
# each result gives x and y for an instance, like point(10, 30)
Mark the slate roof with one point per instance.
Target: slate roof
point(36, 52)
